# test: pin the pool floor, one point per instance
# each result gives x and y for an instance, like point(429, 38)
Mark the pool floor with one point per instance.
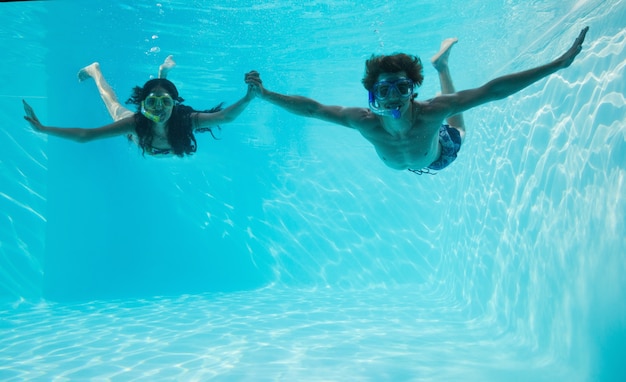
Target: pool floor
point(378, 335)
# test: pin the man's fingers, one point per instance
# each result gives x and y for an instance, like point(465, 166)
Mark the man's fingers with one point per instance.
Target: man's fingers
point(581, 36)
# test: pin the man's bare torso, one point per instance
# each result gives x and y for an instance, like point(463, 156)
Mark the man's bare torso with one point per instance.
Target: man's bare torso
point(416, 147)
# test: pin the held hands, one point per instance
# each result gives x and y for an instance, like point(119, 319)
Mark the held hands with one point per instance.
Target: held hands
point(31, 117)
point(255, 85)
point(568, 57)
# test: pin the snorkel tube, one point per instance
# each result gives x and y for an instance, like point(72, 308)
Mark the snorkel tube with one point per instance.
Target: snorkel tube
point(377, 109)
point(150, 116)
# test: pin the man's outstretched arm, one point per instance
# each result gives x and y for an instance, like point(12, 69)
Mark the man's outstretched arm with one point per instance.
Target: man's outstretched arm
point(504, 86)
point(307, 107)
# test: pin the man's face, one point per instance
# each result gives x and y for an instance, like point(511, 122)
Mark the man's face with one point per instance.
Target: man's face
point(393, 91)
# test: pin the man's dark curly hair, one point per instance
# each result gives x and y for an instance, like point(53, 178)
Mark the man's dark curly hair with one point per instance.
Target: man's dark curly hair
point(411, 65)
point(180, 133)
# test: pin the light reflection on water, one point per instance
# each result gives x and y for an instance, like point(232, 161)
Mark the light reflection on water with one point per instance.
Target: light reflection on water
point(267, 335)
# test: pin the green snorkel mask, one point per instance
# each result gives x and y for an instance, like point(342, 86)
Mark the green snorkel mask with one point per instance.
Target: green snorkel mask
point(153, 107)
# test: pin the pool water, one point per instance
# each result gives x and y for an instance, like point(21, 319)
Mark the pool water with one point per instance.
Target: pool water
point(286, 250)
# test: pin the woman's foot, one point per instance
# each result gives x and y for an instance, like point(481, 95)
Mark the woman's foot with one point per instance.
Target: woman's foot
point(166, 66)
point(88, 71)
point(440, 60)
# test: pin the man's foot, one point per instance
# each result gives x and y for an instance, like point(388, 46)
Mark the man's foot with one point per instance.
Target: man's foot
point(166, 66)
point(440, 60)
point(88, 71)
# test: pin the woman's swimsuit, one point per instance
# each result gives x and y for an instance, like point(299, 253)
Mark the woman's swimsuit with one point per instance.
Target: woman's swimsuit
point(156, 151)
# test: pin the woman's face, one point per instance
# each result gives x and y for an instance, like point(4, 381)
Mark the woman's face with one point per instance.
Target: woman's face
point(158, 105)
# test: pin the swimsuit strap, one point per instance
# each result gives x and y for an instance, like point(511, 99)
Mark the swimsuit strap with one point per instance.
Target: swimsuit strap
point(425, 170)
point(157, 151)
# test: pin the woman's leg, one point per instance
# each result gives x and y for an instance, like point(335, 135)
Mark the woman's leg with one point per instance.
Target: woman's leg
point(440, 62)
point(166, 66)
point(115, 108)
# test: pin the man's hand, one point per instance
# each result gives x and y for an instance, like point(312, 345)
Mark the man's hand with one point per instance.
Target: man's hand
point(568, 57)
point(253, 79)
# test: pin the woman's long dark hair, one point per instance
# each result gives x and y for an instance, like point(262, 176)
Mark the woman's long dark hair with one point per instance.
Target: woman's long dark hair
point(180, 132)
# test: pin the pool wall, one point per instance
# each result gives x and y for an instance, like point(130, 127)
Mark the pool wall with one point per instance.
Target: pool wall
point(526, 229)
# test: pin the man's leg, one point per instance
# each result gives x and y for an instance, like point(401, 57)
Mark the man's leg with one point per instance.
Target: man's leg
point(440, 62)
point(115, 108)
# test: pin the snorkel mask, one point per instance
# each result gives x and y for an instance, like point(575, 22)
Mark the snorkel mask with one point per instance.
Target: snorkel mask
point(377, 109)
point(152, 102)
point(150, 116)
point(402, 88)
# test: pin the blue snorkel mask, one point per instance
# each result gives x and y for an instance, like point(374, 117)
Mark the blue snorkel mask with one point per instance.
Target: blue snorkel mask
point(377, 109)
point(401, 88)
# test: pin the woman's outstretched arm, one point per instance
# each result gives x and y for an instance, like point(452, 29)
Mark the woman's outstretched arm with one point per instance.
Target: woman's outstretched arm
point(228, 114)
point(78, 134)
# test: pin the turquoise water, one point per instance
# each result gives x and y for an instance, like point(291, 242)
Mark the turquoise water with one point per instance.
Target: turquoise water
point(287, 250)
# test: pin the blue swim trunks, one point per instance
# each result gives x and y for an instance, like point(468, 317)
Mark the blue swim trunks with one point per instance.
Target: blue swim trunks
point(450, 140)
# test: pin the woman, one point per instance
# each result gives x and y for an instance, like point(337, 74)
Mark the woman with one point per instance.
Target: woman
point(160, 126)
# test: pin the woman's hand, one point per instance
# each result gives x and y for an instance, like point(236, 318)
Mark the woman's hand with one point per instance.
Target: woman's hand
point(255, 85)
point(31, 117)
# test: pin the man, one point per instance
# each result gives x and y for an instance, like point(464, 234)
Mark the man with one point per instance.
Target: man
point(409, 134)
